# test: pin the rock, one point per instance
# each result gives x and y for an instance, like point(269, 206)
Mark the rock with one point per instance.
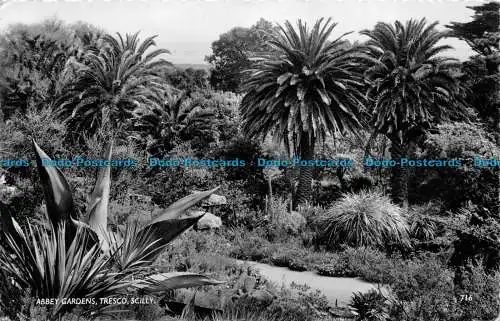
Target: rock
point(204, 300)
point(228, 297)
point(262, 297)
point(342, 313)
point(8, 193)
point(214, 200)
point(209, 221)
point(249, 283)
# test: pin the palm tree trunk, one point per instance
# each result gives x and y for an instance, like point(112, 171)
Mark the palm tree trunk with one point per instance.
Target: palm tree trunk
point(304, 188)
point(399, 175)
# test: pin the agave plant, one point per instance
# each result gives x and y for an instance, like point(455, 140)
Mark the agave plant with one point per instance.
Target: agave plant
point(72, 258)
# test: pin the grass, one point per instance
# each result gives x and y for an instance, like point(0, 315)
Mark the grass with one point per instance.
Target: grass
point(364, 219)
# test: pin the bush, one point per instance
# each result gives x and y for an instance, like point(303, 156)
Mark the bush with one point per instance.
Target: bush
point(360, 182)
point(248, 246)
point(370, 306)
point(325, 193)
point(478, 240)
point(421, 222)
point(282, 222)
point(423, 289)
point(364, 219)
point(478, 294)
point(292, 258)
point(355, 262)
point(456, 186)
point(309, 305)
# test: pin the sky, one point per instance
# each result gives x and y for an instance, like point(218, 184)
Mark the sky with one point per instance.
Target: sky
point(188, 27)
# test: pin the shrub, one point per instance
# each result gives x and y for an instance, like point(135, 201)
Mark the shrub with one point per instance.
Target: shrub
point(292, 258)
point(420, 289)
point(423, 289)
point(364, 219)
point(455, 186)
point(39, 124)
point(370, 306)
point(478, 294)
point(360, 182)
point(339, 268)
point(309, 305)
point(241, 210)
point(282, 222)
point(325, 192)
point(248, 246)
point(422, 225)
point(362, 262)
point(478, 240)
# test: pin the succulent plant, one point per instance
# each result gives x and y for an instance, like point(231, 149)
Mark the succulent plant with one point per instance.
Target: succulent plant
point(73, 258)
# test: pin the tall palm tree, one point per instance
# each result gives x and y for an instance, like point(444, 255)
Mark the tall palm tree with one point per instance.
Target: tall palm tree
point(115, 81)
point(177, 118)
point(303, 89)
point(411, 86)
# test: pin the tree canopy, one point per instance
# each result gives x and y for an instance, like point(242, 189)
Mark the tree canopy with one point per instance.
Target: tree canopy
point(231, 54)
point(481, 33)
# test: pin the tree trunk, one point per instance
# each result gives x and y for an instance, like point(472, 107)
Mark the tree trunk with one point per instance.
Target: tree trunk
point(399, 175)
point(304, 188)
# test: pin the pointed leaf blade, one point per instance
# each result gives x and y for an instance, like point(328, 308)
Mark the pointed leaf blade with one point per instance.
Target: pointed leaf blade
point(176, 209)
point(174, 280)
point(163, 232)
point(97, 212)
point(58, 196)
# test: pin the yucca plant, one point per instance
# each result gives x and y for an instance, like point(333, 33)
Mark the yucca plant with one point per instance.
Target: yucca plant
point(364, 219)
point(72, 258)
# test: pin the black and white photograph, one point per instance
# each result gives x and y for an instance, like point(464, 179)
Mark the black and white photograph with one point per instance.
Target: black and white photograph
point(250, 160)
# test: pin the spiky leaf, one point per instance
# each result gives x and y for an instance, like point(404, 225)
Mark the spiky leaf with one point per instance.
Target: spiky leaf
point(170, 223)
point(97, 212)
point(174, 280)
point(58, 196)
point(176, 209)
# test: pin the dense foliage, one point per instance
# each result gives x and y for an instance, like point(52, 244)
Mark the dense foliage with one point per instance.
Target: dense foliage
point(274, 92)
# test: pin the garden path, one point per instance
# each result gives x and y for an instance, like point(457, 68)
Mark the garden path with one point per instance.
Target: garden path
point(338, 290)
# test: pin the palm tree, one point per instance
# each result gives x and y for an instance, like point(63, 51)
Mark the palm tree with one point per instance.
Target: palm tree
point(116, 81)
point(304, 89)
point(177, 118)
point(411, 86)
